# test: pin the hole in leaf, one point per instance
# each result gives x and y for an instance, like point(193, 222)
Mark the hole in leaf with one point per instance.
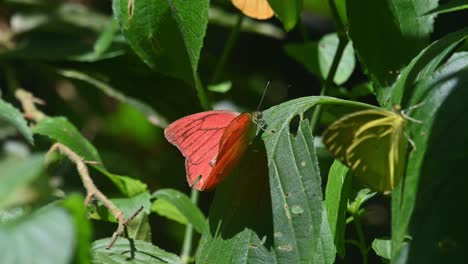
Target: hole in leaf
point(294, 125)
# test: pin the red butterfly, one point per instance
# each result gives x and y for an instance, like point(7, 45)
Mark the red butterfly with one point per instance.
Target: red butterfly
point(212, 143)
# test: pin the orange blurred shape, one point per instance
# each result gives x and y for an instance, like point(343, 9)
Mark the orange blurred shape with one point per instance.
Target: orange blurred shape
point(259, 9)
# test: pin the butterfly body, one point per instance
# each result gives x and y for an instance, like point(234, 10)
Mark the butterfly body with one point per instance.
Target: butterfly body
point(212, 143)
point(372, 144)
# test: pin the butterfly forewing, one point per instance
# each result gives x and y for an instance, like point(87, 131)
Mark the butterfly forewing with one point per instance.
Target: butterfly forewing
point(232, 145)
point(371, 144)
point(197, 136)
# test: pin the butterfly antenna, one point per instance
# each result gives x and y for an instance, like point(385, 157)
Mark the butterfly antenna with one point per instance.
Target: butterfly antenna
point(263, 95)
point(410, 118)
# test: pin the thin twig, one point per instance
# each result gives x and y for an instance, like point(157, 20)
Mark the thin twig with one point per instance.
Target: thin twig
point(28, 102)
point(93, 191)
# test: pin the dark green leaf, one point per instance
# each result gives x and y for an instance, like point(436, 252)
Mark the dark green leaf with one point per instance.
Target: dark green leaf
point(166, 35)
point(287, 11)
point(387, 35)
point(183, 205)
point(83, 229)
point(426, 206)
point(336, 202)
point(126, 251)
point(59, 129)
point(16, 174)
point(239, 228)
point(46, 235)
point(14, 117)
point(382, 247)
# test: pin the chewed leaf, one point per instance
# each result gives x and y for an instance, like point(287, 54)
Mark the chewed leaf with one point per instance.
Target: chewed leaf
point(295, 184)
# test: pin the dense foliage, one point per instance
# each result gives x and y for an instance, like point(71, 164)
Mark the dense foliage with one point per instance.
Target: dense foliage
point(87, 88)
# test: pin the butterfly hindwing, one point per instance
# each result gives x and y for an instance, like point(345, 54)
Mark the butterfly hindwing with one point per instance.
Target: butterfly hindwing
point(371, 143)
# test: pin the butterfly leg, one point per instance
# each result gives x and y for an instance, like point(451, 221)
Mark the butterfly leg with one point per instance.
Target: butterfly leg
point(413, 145)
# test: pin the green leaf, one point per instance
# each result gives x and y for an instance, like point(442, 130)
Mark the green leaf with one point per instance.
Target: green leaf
point(424, 65)
point(454, 5)
point(139, 228)
point(359, 199)
point(239, 228)
point(336, 200)
point(166, 35)
point(287, 11)
point(153, 117)
point(295, 182)
point(46, 234)
point(326, 252)
point(317, 57)
point(82, 226)
point(435, 182)
point(61, 130)
point(382, 247)
point(183, 206)
point(16, 174)
point(387, 35)
point(14, 117)
point(126, 251)
point(164, 208)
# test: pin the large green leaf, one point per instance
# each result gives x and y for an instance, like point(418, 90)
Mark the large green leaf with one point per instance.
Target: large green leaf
point(16, 174)
point(295, 185)
point(387, 35)
point(166, 35)
point(426, 206)
point(423, 66)
point(126, 251)
point(182, 205)
point(336, 201)
point(61, 130)
point(14, 117)
point(287, 11)
point(47, 236)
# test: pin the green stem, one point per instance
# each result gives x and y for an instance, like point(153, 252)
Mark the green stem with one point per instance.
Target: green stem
point(227, 50)
point(202, 95)
point(361, 238)
point(188, 237)
point(342, 42)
